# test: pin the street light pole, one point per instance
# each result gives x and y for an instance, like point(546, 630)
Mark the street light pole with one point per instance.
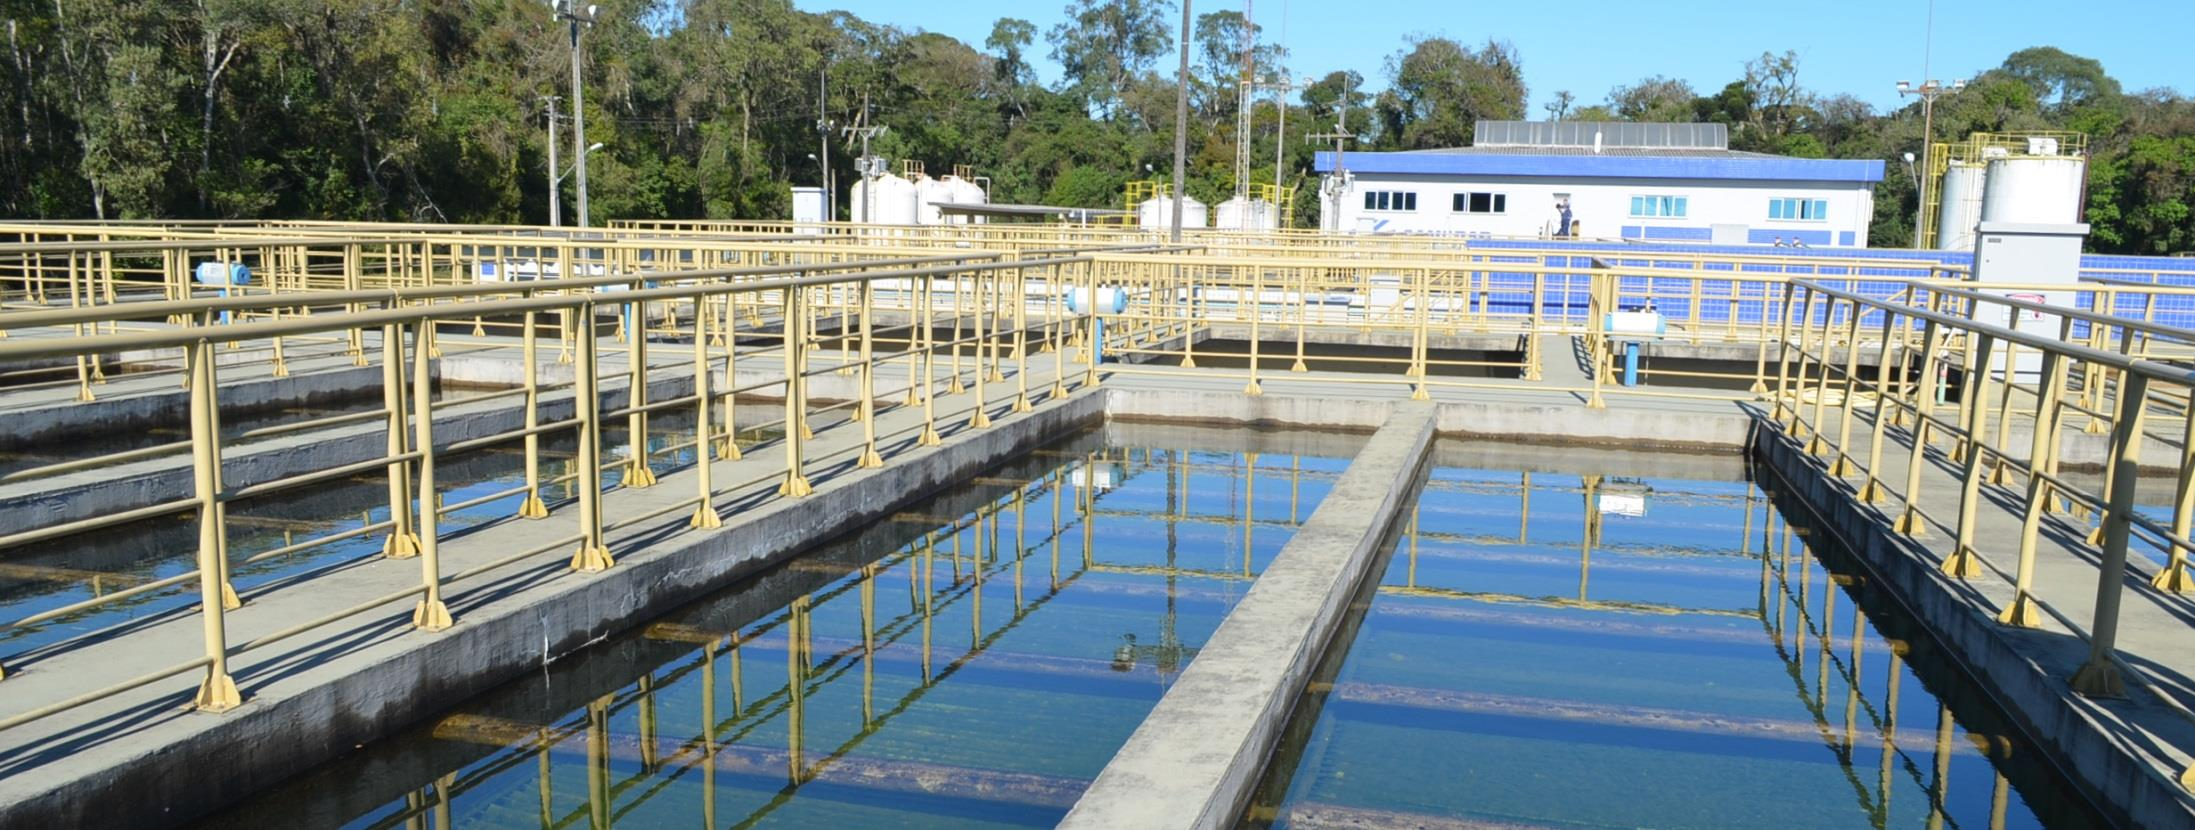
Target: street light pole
point(572, 14)
point(556, 177)
point(1929, 91)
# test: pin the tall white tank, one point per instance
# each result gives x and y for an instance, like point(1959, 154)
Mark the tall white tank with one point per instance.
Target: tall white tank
point(1157, 213)
point(2034, 190)
point(964, 192)
point(1961, 209)
point(929, 193)
point(1239, 214)
point(884, 200)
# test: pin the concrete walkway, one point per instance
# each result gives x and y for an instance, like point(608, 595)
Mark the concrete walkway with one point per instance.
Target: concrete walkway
point(2127, 752)
point(309, 697)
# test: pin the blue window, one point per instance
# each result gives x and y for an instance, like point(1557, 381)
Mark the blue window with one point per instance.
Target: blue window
point(1670, 207)
point(1799, 210)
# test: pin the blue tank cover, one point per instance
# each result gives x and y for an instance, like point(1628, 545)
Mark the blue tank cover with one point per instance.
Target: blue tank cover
point(224, 273)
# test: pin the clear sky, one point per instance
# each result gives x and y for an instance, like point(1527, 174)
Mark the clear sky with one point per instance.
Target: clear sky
point(1862, 47)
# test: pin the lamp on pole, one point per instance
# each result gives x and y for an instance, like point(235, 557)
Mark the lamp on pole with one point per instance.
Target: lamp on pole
point(576, 15)
point(556, 180)
point(1928, 91)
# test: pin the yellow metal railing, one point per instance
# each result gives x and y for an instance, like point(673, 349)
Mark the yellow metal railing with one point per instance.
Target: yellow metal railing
point(2071, 382)
point(893, 306)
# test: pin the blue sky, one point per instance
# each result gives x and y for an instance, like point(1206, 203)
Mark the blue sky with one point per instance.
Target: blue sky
point(1862, 47)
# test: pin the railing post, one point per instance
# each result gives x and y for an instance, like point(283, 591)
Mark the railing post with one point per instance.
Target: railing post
point(402, 543)
point(796, 403)
point(1871, 487)
point(637, 472)
point(1418, 335)
point(430, 614)
point(1021, 340)
point(1963, 562)
point(870, 459)
point(593, 554)
point(2175, 576)
point(705, 513)
point(1798, 375)
point(2100, 677)
point(1909, 520)
point(2022, 611)
point(532, 507)
point(982, 417)
point(217, 693)
point(726, 336)
point(1256, 307)
point(1818, 443)
point(1783, 350)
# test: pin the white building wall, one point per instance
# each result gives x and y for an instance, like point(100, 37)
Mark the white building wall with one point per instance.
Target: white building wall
point(1603, 206)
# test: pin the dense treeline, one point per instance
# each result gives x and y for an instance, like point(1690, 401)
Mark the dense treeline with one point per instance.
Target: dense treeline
point(435, 110)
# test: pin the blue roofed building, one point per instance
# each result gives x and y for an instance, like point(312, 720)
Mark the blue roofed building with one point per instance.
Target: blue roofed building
point(1645, 182)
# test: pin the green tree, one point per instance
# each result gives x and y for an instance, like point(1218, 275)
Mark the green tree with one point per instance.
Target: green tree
point(1441, 89)
point(1105, 44)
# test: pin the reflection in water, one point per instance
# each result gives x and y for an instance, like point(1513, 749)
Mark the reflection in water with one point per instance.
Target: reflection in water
point(1587, 650)
point(972, 662)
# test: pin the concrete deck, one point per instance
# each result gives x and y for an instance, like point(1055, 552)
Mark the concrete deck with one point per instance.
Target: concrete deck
point(1196, 758)
point(2125, 753)
point(310, 697)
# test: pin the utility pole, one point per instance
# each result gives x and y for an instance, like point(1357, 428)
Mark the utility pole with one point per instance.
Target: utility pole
point(1339, 184)
point(824, 128)
point(1929, 91)
point(1181, 123)
point(570, 11)
point(869, 166)
point(1245, 100)
point(556, 178)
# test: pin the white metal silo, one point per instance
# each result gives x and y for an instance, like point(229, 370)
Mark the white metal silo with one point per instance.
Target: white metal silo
point(1961, 209)
point(929, 194)
point(1239, 214)
point(2034, 190)
point(884, 200)
point(961, 191)
point(1157, 213)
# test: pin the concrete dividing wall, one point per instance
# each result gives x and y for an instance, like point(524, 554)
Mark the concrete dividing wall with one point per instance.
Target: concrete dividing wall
point(1196, 758)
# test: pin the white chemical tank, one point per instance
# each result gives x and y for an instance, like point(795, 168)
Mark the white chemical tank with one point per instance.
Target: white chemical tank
point(1239, 214)
point(2032, 190)
point(929, 193)
point(964, 192)
point(884, 200)
point(1961, 209)
point(1157, 213)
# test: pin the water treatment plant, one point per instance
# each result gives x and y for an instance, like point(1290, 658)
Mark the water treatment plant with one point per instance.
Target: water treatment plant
point(325, 524)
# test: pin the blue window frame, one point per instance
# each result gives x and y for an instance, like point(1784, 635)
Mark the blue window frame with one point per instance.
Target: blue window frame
point(1799, 210)
point(1662, 207)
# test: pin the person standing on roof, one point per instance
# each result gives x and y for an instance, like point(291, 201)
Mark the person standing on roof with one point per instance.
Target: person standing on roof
point(1563, 222)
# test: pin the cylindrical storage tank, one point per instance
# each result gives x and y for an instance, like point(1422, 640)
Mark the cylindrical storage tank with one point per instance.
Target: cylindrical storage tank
point(884, 200)
point(2034, 190)
point(965, 192)
point(1961, 209)
point(1234, 215)
point(929, 193)
point(1157, 213)
point(1264, 216)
